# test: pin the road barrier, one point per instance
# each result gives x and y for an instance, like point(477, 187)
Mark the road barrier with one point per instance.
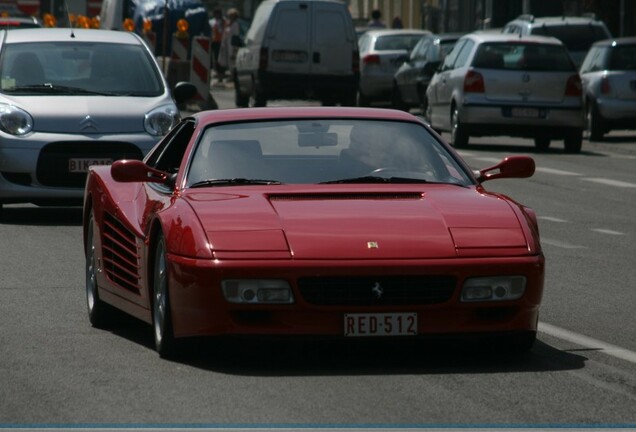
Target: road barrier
point(200, 69)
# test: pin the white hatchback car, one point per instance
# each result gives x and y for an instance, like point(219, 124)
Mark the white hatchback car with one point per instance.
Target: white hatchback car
point(498, 84)
point(71, 98)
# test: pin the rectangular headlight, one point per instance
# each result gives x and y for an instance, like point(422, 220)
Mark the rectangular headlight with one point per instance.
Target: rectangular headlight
point(257, 291)
point(493, 288)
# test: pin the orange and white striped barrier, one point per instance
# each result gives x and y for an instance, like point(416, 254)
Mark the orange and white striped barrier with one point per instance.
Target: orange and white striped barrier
point(200, 66)
point(180, 48)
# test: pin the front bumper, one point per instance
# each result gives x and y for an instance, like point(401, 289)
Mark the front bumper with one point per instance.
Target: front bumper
point(36, 167)
point(199, 308)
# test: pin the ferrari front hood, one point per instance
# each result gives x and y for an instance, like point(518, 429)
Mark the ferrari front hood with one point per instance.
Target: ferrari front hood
point(374, 224)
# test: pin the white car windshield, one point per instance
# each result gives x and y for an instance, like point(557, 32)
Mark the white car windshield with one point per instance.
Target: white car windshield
point(78, 68)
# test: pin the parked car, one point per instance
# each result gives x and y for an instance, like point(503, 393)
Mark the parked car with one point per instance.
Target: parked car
point(70, 98)
point(311, 221)
point(609, 86)
point(577, 33)
point(412, 78)
point(12, 22)
point(382, 52)
point(499, 84)
point(298, 51)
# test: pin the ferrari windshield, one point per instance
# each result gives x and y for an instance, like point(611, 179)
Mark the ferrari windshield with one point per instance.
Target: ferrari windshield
point(78, 68)
point(321, 151)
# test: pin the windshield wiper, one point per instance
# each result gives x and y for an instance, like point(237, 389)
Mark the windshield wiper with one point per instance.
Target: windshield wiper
point(376, 179)
point(234, 182)
point(57, 89)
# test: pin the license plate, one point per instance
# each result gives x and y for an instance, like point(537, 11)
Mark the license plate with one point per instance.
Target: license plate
point(380, 324)
point(289, 56)
point(525, 112)
point(80, 165)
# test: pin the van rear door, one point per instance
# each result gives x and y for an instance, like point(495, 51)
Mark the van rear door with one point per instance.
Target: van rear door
point(289, 38)
point(334, 39)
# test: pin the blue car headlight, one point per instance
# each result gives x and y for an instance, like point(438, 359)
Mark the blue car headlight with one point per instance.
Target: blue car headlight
point(14, 120)
point(160, 120)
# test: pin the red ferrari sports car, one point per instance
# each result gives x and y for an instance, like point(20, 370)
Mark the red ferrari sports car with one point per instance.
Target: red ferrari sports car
point(326, 221)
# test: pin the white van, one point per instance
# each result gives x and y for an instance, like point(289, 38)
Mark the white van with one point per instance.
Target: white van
point(298, 49)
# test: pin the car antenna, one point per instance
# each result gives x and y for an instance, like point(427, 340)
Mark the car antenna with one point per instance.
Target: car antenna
point(68, 17)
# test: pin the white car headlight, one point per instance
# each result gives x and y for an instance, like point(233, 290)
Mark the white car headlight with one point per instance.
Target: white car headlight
point(160, 120)
point(14, 120)
point(494, 288)
point(258, 291)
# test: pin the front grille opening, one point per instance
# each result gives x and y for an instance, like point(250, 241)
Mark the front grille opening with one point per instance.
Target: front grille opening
point(377, 290)
point(53, 162)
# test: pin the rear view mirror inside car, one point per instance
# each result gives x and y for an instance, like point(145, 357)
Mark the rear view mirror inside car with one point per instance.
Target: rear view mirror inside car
point(318, 139)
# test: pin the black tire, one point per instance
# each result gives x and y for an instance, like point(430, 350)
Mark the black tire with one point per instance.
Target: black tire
point(363, 101)
point(100, 314)
point(459, 137)
point(396, 99)
point(241, 100)
point(595, 128)
point(258, 96)
point(161, 311)
point(573, 142)
point(542, 143)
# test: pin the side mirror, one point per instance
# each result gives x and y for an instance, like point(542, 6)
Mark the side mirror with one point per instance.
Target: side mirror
point(183, 91)
point(430, 67)
point(510, 167)
point(130, 170)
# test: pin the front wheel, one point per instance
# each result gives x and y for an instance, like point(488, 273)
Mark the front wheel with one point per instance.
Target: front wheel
point(161, 312)
point(100, 314)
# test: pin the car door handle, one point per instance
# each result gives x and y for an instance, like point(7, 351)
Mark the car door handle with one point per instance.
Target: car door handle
point(316, 57)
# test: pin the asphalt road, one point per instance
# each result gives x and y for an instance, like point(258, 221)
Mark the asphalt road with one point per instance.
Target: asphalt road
point(56, 370)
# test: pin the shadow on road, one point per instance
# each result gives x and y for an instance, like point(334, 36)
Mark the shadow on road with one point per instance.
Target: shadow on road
point(41, 216)
point(266, 357)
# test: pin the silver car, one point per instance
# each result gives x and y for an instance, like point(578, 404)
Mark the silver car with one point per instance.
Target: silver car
point(498, 84)
point(382, 52)
point(71, 98)
point(609, 86)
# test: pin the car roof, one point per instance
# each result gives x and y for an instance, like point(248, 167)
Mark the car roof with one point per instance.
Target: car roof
point(383, 32)
point(300, 113)
point(533, 21)
point(481, 37)
point(629, 40)
point(70, 34)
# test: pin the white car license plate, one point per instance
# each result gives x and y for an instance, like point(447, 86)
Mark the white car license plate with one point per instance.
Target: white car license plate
point(380, 324)
point(525, 112)
point(80, 165)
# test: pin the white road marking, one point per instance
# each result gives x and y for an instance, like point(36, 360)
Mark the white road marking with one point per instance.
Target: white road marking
point(607, 231)
point(588, 342)
point(557, 172)
point(552, 219)
point(561, 244)
point(610, 182)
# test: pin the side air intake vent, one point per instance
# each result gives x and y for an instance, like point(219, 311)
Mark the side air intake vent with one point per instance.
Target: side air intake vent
point(119, 252)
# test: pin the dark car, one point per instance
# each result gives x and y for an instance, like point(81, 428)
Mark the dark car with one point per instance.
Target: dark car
point(608, 74)
point(412, 78)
